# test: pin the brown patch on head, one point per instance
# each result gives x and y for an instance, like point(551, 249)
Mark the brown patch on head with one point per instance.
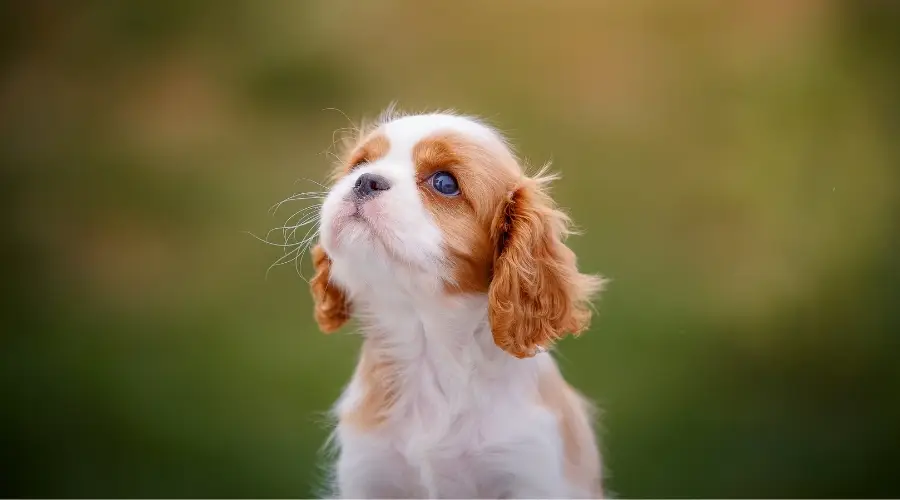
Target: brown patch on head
point(368, 148)
point(504, 236)
point(375, 376)
point(483, 174)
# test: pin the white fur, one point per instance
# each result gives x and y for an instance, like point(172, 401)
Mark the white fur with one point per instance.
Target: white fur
point(467, 422)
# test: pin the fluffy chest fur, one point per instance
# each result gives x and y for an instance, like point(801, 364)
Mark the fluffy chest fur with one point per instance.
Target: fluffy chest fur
point(435, 409)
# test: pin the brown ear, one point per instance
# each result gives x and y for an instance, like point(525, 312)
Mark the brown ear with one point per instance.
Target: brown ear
point(331, 307)
point(536, 294)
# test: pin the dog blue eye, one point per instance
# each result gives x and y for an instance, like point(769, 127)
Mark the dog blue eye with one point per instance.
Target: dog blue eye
point(445, 183)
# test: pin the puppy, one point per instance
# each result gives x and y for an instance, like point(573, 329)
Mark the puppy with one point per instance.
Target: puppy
point(453, 263)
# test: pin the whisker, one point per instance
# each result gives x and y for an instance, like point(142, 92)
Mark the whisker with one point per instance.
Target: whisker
point(353, 125)
point(288, 231)
point(314, 182)
point(312, 195)
point(329, 153)
point(267, 242)
point(298, 226)
point(303, 211)
point(334, 140)
point(295, 249)
point(284, 230)
point(280, 262)
point(304, 247)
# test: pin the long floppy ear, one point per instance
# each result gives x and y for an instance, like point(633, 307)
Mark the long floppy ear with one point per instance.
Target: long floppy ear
point(331, 309)
point(537, 295)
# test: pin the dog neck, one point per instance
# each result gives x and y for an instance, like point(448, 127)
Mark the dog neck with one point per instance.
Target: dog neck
point(408, 329)
point(434, 356)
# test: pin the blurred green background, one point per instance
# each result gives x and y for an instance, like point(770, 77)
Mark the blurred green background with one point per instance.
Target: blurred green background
point(735, 166)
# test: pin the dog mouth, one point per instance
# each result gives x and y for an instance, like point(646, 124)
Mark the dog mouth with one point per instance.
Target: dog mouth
point(353, 222)
point(354, 228)
point(357, 214)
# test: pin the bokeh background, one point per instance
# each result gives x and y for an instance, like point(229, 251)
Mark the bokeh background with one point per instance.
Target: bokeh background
point(735, 167)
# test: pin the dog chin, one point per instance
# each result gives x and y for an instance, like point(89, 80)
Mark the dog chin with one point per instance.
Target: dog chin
point(355, 233)
point(359, 244)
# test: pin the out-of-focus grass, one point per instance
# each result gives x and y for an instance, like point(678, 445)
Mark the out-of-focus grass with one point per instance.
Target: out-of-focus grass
point(734, 167)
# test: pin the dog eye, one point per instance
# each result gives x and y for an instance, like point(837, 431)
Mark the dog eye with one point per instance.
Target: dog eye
point(445, 183)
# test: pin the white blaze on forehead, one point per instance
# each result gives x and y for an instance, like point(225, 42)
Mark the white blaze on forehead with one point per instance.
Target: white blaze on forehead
point(405, 132)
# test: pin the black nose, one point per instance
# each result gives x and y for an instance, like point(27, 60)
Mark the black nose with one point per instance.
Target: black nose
point(368, 185)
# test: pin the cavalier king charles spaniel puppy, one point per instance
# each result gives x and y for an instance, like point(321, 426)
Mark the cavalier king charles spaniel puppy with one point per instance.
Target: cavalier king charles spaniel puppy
point(453, 263)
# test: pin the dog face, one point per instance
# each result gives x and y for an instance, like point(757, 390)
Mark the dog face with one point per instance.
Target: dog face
point(434, 205)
